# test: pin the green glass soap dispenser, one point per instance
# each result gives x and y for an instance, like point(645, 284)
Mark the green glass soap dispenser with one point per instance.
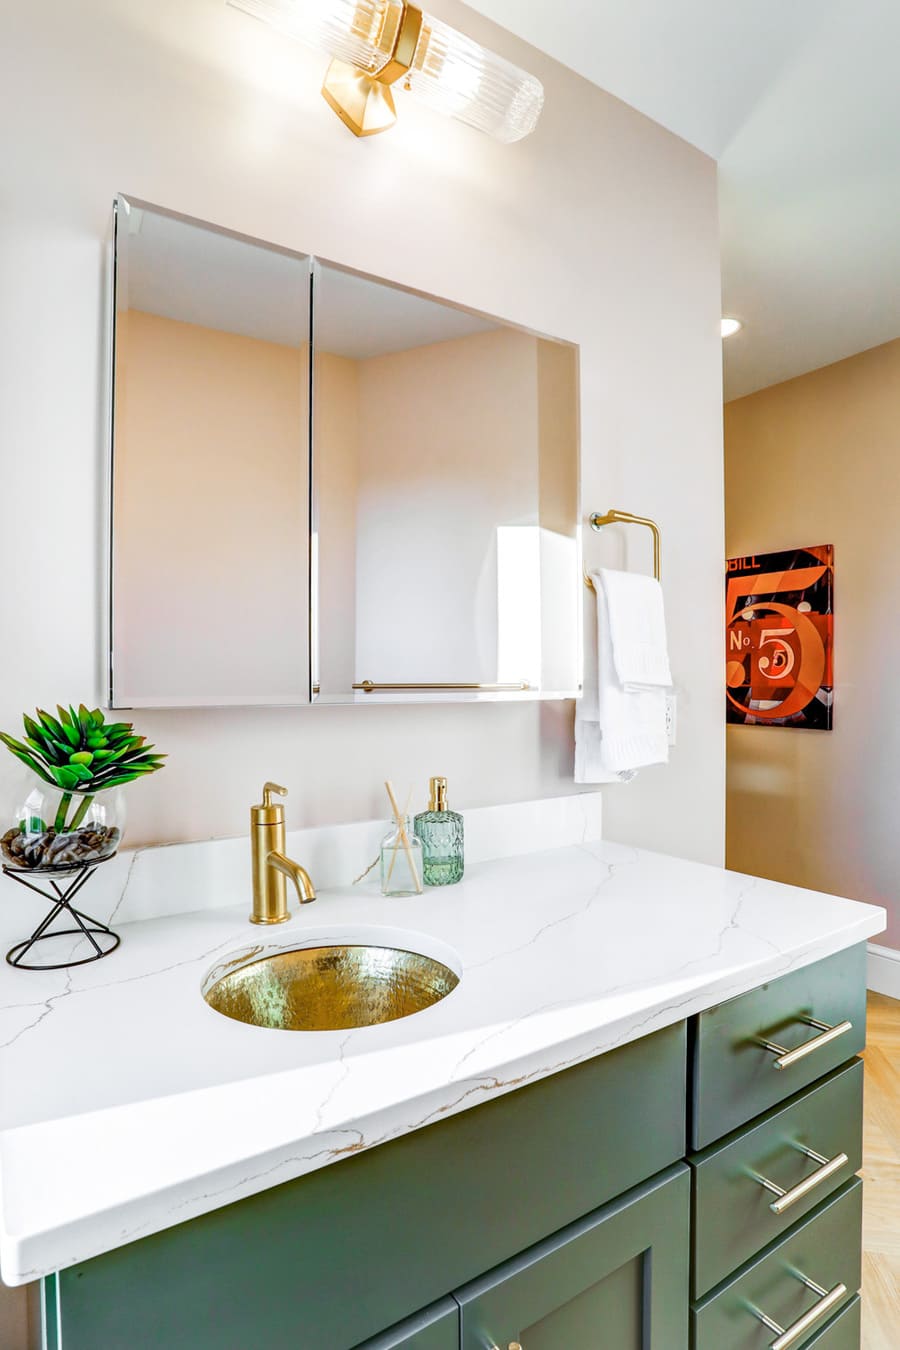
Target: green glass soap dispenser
point(441, 833)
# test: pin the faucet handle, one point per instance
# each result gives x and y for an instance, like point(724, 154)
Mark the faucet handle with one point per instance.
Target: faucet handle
point(269, 813)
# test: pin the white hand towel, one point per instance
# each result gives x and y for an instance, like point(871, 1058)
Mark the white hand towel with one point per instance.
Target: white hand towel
point(590, 766)
point(618, 728)
point(637, 626)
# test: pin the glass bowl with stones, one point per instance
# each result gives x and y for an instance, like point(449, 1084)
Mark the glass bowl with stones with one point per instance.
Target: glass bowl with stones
point(49, 829)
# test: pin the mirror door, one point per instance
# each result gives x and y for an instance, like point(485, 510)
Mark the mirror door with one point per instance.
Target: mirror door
point(328, 488)
point(210, 467)
point(446, 559)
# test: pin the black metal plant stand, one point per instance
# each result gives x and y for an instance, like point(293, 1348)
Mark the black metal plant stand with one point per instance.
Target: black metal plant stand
point(102, 939)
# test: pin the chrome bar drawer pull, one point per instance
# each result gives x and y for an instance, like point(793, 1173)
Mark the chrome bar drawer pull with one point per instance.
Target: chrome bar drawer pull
point(788, 1057)
point(788, 1336)
point(827, 1168)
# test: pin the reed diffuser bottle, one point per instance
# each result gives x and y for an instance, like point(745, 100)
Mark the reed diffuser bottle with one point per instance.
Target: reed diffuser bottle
point(401, 860)
point(441, 833)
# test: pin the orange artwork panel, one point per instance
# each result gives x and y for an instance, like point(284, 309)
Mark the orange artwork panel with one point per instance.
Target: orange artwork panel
point(779, 638)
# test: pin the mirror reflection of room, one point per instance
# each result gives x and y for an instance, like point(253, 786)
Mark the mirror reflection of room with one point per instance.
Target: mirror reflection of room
point(210, 480)
point(446, 512)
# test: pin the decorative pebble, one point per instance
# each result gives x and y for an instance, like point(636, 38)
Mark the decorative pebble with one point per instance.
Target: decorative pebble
point(91, 843)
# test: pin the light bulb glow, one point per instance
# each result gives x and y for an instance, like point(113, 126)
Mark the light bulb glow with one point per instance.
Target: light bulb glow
point(456, 76)
point(730, 327)
point(449, 72)
point(361, 32)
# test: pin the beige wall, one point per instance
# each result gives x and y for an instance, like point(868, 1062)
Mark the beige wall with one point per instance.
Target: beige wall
point(336, 471)
point(817, 461)
point(211, 507)
point(600, 228)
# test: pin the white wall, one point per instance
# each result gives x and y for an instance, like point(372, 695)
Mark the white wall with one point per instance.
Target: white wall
point(600, 228)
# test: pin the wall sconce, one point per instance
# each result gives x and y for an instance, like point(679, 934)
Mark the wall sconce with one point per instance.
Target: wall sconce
point(376, 43)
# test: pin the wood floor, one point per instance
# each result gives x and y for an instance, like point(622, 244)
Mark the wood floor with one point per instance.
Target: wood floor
point(881, 1169)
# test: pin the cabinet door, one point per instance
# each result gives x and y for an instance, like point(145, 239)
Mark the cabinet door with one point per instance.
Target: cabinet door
point(436, 1328)
point(618, 1278)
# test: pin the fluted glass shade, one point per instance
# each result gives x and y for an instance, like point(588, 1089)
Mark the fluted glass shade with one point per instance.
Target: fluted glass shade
point(448, 71)
point(457, 76)
point(361, 32)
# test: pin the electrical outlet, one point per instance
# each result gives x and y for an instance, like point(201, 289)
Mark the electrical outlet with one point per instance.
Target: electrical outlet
point(671, 715)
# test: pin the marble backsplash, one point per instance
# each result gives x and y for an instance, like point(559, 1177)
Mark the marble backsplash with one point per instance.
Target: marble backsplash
point(150, 883)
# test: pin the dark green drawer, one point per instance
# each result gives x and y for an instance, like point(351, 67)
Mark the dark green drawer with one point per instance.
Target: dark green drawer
point(842, 1332)
point(733, 1217)
point(436, 1328)
point(734, 1077)
point(826, 1249)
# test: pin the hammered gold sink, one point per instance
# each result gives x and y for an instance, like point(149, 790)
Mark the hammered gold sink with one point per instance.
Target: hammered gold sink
point(331, 987)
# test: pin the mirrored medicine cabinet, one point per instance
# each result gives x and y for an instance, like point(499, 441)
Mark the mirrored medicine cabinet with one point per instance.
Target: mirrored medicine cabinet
point(328, 488)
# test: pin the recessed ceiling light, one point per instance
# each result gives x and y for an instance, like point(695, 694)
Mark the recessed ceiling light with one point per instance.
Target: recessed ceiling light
point(730, 327)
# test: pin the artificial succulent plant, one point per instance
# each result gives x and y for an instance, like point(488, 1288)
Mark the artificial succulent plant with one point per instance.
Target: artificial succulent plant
point(81, 754)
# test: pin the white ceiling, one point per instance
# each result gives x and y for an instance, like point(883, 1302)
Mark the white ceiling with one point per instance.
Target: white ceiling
point(194, 273)
point(359, 318)
point(186, 271)
point(799, 101)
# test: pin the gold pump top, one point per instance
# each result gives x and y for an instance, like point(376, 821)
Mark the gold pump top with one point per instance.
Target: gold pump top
point(269, 812)
point(438, 800)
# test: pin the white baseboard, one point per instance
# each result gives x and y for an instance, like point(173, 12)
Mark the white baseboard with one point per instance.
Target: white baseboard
point(883, 973)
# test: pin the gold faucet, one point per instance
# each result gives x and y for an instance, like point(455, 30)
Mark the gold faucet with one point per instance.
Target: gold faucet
point(271, 864)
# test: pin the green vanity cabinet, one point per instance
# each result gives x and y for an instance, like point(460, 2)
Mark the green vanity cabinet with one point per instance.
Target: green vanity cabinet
point(777, 1209)
point(615, 1204)
point(437, 1328)
point(335, 1257)
point(617, 1278)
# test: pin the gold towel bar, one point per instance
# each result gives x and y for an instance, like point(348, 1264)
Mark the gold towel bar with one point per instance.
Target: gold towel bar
point(626, 518)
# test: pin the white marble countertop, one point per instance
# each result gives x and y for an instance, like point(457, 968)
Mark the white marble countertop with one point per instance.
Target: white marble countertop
point(127, 1105)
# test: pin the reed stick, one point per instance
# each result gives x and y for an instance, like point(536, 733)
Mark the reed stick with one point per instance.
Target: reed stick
point(401, 826)
point(395, 850)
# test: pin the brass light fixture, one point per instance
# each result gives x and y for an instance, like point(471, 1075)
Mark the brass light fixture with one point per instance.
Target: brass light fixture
point(376, 43)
